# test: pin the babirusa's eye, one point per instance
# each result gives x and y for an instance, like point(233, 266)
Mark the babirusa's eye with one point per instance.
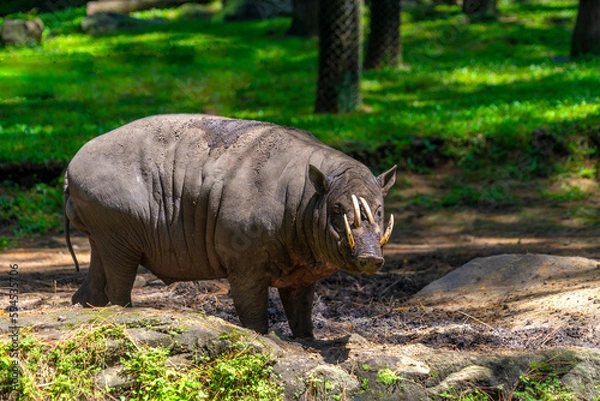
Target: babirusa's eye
point(337, 209)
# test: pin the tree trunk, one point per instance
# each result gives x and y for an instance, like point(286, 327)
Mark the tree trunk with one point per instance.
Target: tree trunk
point(480, 9)
point(305, 18)
point(340, 32)
point(383, 46)
point(586, 36)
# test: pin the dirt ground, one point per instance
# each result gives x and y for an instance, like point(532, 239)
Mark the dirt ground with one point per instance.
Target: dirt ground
point(426, 244)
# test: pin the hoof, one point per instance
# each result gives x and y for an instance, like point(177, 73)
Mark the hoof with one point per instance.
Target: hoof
point(84, 299)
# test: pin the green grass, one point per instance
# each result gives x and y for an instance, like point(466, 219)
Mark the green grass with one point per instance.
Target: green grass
point(475, 92)
point(462, 82)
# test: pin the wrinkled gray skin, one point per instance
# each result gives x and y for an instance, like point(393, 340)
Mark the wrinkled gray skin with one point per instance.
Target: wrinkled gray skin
point(197, 197)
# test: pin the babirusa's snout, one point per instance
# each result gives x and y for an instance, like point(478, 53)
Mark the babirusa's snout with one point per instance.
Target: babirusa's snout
point(370, 263)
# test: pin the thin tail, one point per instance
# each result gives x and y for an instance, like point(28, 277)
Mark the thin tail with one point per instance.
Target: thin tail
point(68, 225)
point(69, 245)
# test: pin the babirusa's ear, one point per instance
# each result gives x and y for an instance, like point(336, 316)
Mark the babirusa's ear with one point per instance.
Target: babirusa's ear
point(318, 179)
point(387, 179)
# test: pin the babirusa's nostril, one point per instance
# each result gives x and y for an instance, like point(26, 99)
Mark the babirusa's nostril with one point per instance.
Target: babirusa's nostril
point(370, 262)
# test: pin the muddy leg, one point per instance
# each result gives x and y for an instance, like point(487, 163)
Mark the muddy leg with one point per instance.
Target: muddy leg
point(297, 303)
point(91, 292)
point(251, 301)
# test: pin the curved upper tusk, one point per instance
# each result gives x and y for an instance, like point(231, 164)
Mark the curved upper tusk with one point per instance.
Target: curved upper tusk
point(349, 233)
point(388, 232)
point(356, 211)
point(367, 210)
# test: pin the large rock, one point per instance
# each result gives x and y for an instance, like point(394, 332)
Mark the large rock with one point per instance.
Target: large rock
point(128, 6)
point(248, 10)
point(525, 290)
point(108, 22)
point(471, 374)
point(18, 32)
point(493, 278)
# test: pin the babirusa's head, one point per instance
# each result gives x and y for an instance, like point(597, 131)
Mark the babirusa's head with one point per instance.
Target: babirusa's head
point(351, 216)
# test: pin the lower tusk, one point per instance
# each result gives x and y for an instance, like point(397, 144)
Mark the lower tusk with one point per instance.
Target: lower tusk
point(356, 211)
point(388, 232)
point(367, 210)
point(349, 233)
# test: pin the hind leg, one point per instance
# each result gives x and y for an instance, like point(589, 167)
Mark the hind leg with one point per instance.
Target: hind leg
point(112, 272)
point(91, 292)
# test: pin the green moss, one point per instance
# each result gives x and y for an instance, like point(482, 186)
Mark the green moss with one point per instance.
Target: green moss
point(67, 369)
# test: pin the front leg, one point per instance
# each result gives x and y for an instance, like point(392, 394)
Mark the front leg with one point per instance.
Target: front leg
point(250, 298)
point(297, 303)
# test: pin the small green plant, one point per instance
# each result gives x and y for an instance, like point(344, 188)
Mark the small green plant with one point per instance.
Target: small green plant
point(388, 377)
point(6, 242)
point(242, 374)
point(6, 366)
point(541, 382)
point(157, 380)
point(548, 388)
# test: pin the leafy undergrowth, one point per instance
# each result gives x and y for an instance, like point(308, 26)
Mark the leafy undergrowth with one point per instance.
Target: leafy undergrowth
point(27, 212)
point(68, 369)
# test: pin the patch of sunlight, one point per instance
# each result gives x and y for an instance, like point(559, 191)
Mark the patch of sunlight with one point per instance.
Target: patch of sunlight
point(371, 85)
point(10, 71)
point(25, 129)
point(208, 41)
point(472, 77)
point(13, 100)
point(565, 111)
point(270, 53)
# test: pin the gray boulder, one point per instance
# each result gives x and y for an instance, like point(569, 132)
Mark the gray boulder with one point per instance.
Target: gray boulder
point(249, 10)
point(18, 32)
point(524, 292)
point(108, 22)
